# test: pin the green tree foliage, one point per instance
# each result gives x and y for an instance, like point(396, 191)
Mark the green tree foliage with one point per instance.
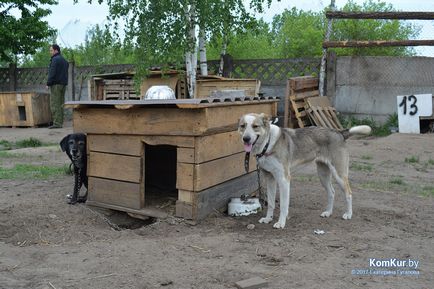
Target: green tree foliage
point(295, 33)
point(298, 33)
point(350, 29)
point(22, 29)
point(160, 29)
point(255, 42)
point(100, 47)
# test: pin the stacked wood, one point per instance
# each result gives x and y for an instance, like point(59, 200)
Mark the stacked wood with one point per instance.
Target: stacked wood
point(304, 106)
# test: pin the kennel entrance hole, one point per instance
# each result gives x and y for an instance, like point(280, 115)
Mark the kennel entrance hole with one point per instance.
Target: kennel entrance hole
point(22, 113)
point(160, 176)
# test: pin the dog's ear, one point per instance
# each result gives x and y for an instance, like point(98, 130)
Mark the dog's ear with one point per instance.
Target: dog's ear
point(64, 143)
point(265, 119)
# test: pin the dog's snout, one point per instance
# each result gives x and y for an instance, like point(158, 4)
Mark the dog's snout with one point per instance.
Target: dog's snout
point(246, 139)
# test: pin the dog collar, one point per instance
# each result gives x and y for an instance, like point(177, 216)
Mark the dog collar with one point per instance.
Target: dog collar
point(263, 153)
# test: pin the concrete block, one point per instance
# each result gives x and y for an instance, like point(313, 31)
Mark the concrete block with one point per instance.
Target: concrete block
point(252, 283)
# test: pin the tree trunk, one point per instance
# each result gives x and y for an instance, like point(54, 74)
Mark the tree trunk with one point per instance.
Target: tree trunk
point(222, 54)
point(202, 53)
point(190, 55)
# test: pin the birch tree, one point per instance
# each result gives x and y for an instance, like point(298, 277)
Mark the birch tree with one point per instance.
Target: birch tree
point(166, 32)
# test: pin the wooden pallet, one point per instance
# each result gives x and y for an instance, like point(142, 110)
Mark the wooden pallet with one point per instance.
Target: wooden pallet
point(321, 113)
point(298, 89)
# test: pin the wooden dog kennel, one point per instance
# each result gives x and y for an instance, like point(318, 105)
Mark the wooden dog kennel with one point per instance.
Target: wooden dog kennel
point(24, 108)
point(144, 154)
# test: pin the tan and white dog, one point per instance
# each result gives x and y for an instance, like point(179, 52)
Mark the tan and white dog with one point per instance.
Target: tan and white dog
point(278, 151)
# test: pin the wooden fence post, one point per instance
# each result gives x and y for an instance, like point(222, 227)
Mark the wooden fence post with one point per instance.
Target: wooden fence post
point(12, 76)
point(71, 77)
point(331, 76)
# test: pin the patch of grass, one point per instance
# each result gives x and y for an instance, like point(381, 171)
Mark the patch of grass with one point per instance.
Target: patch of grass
point(366, 157)
point(412, 159)
point(8, 155)
point(377, 129)
point(5, 145)
point(30, 142)
point(427, 191)
point(361, 167)
point(430, 162)
point(397, 181)
point(24, 171)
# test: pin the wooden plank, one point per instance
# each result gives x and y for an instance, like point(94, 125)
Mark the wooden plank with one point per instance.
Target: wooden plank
point(305, 94)
point(178, 141)
point(117, 167)
point(286, 109)
point(303, 82)
point(381, 15)
point(147, 211)
point(143, 121)
point(170, 80)
point(40, 108)
point(321, 101)
point(217, 197)
point(185, 155)
point(184, 210)
point(116, 144)
point(205, 87)
point(115, 192)
point(318, 117)
point(217, 146)
point(377, 43)
point(198, 177)
point(324, 117)
point(222, 116)
point(186, 196)
point(185, 176)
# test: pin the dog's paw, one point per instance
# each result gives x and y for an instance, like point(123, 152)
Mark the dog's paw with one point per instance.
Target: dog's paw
point(71, 201)
point(347, 216)
point(265, 220)
point(279, 225)
point(326, 214)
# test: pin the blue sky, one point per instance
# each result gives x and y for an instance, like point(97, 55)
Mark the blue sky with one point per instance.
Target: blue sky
point(72, 20)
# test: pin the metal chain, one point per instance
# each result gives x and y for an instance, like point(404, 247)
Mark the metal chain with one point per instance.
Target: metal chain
point(260, 192)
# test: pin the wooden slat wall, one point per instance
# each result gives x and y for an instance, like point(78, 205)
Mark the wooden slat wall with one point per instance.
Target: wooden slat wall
point(205, 87)
point(197, 177)
point(115, 192)
point(116, 167)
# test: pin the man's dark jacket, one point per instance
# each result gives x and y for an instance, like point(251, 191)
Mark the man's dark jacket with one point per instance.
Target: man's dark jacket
point(58, 70)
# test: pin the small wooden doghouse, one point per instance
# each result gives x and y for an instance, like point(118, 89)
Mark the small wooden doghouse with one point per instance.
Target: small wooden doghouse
point(143, 155)
point(112, 86)
point(24, 108)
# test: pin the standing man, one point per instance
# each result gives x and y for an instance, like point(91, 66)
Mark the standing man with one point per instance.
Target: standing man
point(57, 81)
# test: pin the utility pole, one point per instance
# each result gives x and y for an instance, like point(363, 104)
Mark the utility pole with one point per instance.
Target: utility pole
point(324, 52)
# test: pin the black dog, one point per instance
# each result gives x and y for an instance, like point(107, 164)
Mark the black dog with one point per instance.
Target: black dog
point(75, 147)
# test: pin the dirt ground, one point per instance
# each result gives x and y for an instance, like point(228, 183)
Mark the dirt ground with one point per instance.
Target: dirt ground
point(45, 243)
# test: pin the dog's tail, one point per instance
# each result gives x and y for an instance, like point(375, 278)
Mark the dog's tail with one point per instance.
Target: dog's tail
point(360, 129)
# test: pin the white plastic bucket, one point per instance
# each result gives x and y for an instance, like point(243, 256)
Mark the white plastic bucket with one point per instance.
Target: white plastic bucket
point(238, 207)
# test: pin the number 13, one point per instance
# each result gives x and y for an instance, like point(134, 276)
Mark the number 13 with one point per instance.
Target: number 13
point(412, 106)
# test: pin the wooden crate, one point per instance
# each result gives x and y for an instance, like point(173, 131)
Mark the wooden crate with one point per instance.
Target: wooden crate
point(122, 89)
point(206, 86)
point(207, 167)
point(24, 108)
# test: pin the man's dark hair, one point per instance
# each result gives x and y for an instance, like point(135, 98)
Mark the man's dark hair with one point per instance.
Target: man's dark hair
point(55, 47)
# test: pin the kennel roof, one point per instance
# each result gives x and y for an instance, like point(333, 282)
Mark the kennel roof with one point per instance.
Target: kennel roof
point(180, 103)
